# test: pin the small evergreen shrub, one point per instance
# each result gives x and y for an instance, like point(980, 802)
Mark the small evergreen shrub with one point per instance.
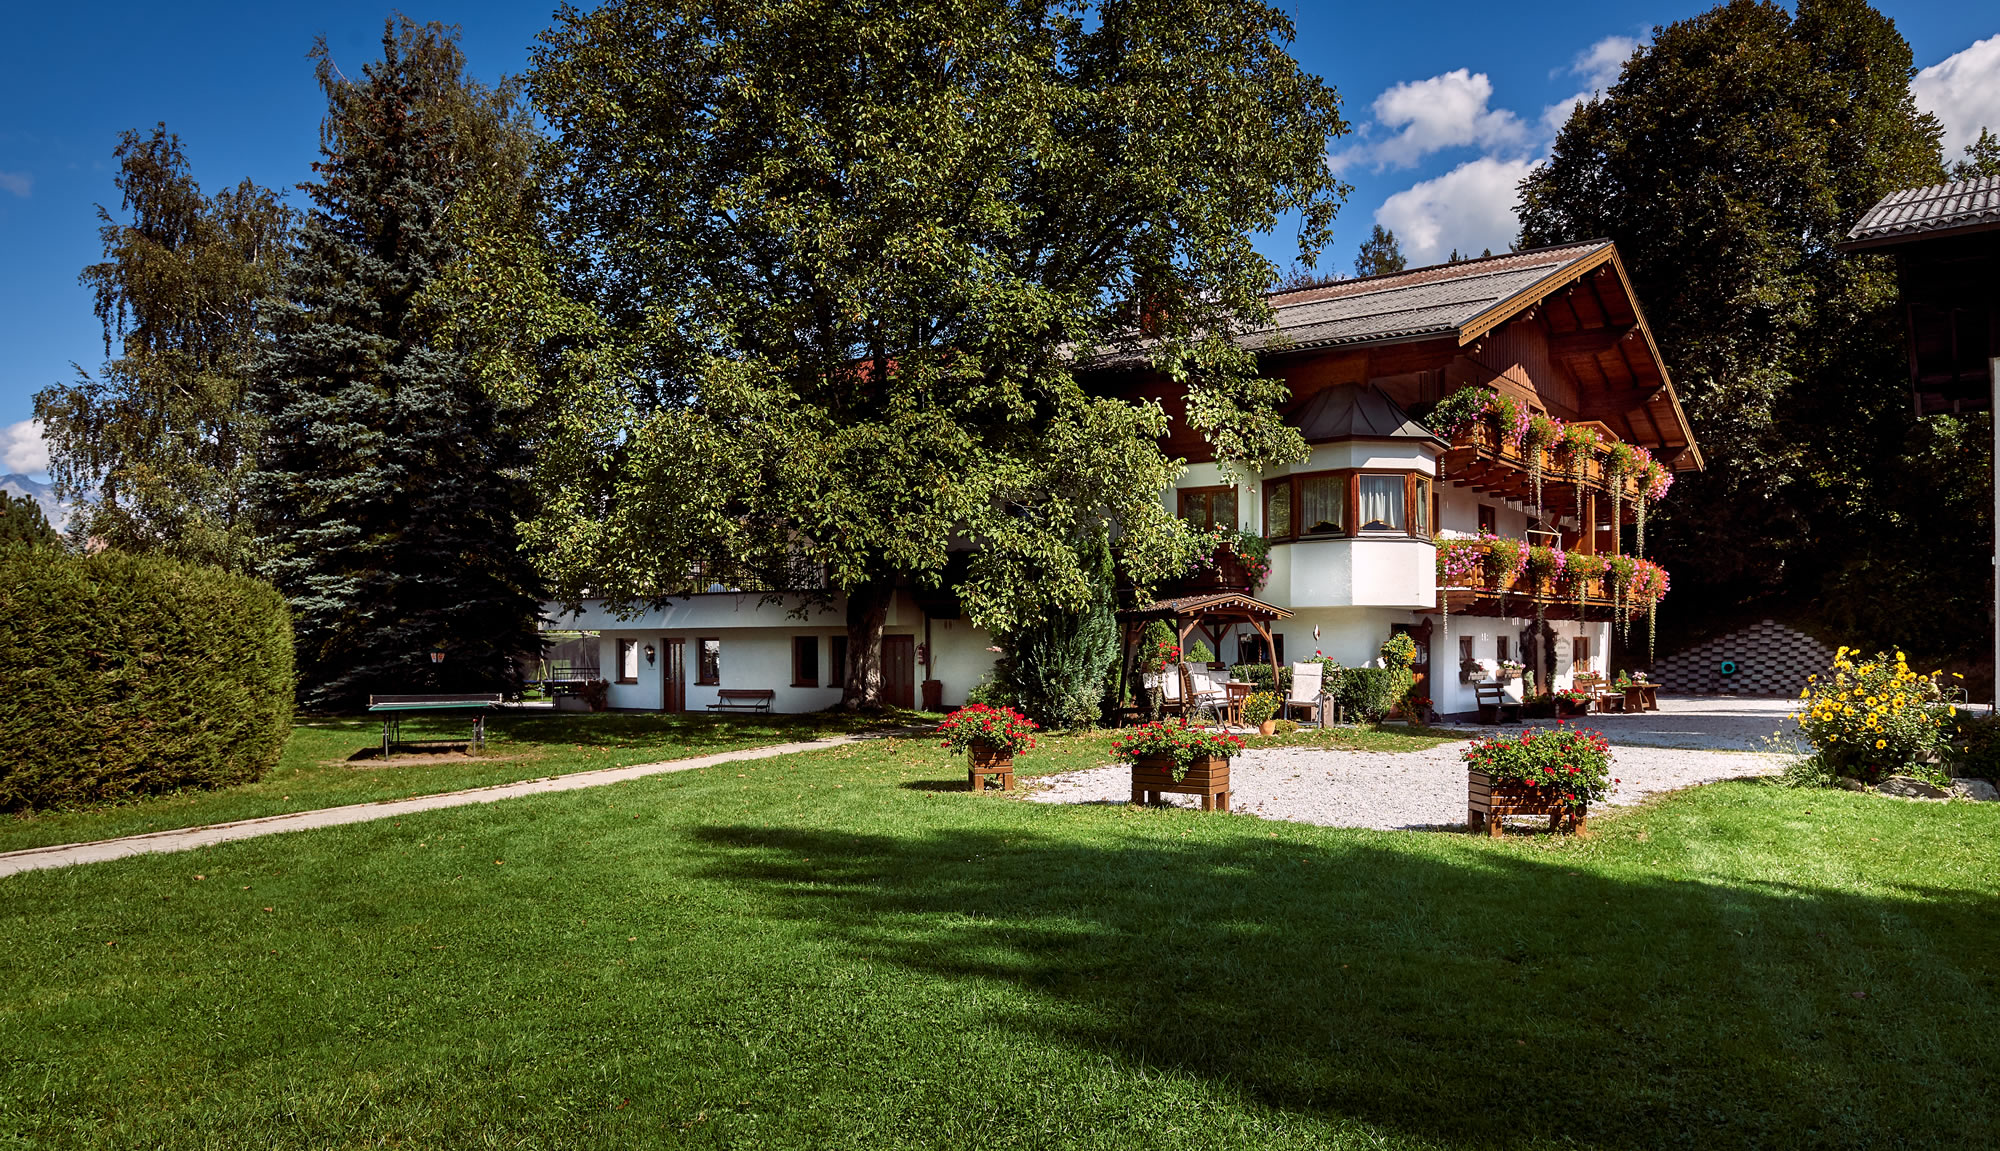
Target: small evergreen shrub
point(1260, 674)
point(1369, 692)
point(132, 675)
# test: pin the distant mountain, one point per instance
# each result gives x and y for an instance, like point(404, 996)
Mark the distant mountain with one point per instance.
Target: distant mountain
point(16, 484)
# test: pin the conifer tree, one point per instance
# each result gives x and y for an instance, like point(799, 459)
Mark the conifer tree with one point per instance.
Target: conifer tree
point(1380, 254)
point(390, 481)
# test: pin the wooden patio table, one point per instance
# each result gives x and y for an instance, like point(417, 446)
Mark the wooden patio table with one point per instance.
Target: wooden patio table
point(1238, 692)
point(1642, 697)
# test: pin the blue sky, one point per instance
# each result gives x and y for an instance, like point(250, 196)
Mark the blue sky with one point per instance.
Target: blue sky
point(1451, 101)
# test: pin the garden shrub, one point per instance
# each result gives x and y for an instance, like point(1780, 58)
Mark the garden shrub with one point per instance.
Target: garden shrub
point(1057, 667)
point(134, 675)
point(1260, 675)
point(1369, 692)
point(1876, 717)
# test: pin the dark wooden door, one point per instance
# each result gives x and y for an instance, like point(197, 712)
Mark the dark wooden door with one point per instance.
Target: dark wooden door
point(899, 670)
point(673, 675)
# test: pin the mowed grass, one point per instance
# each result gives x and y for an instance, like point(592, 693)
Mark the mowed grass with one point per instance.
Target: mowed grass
point(846, 949)
point(319, 766)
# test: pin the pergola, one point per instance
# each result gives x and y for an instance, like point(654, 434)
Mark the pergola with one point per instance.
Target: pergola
point(1213, 613)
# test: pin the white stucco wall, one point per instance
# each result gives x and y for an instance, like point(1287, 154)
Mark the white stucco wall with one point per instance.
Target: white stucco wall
point(756, 646)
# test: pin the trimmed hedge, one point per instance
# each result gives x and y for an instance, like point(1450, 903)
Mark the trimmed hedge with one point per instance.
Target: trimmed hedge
point(126, 675)
point(1369, 692)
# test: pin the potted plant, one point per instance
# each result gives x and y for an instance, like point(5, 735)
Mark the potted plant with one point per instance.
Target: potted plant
point(1512, 669)
point(1259, 708)
point(1471, 671)
point(1538, 705)
point(1557, 772)
point(1171, 756)
point(991, 736)
point(1572, 703)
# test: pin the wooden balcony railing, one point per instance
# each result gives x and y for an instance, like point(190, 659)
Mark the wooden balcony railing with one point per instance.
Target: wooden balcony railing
point(1467, 585)
point(1481, 458)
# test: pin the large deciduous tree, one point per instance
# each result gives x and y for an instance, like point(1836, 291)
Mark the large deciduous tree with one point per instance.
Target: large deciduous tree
point(391, 479)
point(849, 259)
point(1732, 155)
point(155, 449)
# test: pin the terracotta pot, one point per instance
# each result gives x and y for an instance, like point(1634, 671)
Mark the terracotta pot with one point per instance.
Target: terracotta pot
point(1268, 727)
point(984, 757)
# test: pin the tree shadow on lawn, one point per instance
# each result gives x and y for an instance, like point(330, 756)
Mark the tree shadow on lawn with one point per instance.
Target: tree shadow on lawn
point(1457, 992)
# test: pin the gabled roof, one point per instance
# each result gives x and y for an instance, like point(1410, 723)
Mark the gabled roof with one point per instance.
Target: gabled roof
point(1446, 299)
point(1355, 412)
point(1925, 213)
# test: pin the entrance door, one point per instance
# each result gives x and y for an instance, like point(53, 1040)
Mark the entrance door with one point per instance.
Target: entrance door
point(673, 675)
point(1421, 634)
point(899, 670)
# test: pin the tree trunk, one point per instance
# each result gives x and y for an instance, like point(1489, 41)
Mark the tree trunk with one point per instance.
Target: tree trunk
point(867, 608)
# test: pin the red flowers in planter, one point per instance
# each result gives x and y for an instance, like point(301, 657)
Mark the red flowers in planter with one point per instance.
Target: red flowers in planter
point(998, 728)
point(1173, 738)
point(1576, 759)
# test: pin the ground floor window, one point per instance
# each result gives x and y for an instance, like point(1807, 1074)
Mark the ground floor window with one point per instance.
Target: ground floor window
point(1500, 648)
point(628, 661)
point(709, 670)
point(805, 661)
point(1579, 653)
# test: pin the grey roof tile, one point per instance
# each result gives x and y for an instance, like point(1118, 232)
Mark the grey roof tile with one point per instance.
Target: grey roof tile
point(1914, 212)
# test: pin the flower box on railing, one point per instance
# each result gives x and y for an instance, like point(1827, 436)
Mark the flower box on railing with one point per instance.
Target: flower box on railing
point(1224, 571)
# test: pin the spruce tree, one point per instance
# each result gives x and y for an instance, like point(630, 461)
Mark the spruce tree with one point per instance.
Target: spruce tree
point(1380, 254)
point(390, 481)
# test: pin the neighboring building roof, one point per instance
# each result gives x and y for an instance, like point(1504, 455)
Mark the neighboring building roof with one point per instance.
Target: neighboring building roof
point(1926, 213)
point(1440, 300)
point(1356, 412)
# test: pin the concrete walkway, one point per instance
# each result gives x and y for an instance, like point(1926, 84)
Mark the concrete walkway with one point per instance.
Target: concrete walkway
point(189, 838)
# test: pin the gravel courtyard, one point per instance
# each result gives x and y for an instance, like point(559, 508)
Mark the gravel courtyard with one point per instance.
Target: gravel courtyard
point(1424, 790)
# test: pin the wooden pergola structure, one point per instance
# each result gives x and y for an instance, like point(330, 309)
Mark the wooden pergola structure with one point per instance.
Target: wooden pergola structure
point(1211, 613)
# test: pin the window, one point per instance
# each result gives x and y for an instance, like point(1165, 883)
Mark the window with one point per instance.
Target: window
point(709, 670)
point(1464, 649)
point(1209, 507)
point(1500, 648)
point(836, 651)
point(1420, 508)
point(1381, 503)
point(628, 661)
point(805, 661)
point(1322, 505)
point(1488, 521)
point(1278, 510)
point(1579, 653)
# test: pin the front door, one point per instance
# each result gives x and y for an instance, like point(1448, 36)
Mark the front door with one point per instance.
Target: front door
point(1421, 634)
point(673, 675)
point(899, 670)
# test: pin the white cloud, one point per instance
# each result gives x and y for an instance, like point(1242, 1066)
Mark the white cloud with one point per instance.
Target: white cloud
point(19, 183)
point(1599, 66)
point(1448, 111)
point(22, 448)
point(1469, 208)
point(1963, 92)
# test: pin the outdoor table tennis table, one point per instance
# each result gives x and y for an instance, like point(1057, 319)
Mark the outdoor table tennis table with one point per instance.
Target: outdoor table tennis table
point(394, 707)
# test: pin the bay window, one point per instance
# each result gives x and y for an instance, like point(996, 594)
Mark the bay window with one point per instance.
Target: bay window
point(1320, 505)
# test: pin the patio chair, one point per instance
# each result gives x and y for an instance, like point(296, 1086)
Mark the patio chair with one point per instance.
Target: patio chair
point(1204, 699)
point(1593, 685)
point(1304, 695)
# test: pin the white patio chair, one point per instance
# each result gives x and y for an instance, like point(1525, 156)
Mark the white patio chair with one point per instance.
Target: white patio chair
point(1305, 691)
point(1205, 699)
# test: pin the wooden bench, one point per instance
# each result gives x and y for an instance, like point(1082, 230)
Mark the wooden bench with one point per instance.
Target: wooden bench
point(1494, 706)
point(743, 699)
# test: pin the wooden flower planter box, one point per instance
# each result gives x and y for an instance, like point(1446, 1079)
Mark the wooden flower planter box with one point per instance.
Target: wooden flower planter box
point(981, 762)
point(1568, 710)
point(1487, 801)
point(1207, 778)
point(1224, 572)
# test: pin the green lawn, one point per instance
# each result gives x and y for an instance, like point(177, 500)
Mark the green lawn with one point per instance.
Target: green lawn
point(845, 949)
point(318, 768)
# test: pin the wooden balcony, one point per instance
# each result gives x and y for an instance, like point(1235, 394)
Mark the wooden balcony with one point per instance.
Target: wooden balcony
point(1223, 572)
point(1513, 600)
point(1480, 459)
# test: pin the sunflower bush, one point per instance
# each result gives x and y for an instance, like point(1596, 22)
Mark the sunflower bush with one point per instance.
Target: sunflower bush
point(1876, 718)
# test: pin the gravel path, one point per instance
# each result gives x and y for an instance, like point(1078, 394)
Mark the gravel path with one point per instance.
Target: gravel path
point(1415, 790)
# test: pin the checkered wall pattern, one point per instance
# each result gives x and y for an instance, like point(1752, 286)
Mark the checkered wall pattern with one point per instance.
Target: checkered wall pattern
point(1767, 659)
